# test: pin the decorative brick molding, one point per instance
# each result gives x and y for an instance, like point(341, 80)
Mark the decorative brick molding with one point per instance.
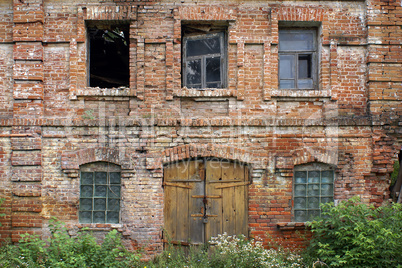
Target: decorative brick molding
point(188, 151)
point(71, 161)
point(286, 164)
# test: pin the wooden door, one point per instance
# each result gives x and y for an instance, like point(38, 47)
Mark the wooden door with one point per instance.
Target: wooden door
point(204, 198)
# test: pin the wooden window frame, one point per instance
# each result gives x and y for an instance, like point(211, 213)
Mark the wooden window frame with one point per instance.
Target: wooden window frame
point(223, 64)
point(296, 54)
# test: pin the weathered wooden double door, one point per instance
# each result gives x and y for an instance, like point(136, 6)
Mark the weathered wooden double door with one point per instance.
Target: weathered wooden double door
point(204, 198)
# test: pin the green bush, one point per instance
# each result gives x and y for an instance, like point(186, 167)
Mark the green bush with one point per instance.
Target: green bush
point(63, 251)
point(353, 234)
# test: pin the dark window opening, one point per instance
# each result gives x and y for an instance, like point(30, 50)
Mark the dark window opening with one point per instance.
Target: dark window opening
point(204, 55)
point(108, 55)
point(297, 53)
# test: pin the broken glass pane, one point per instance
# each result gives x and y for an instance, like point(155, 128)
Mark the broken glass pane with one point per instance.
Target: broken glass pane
point(296, 41)
point(304, 66)
point(203, 46)
point(213, 69)
point(193, 71)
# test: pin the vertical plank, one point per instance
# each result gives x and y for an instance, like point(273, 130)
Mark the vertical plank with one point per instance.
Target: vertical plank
point(228, 199)
point(214, 206)
point(196, 205)
point(169, 204)
point(182, 217)
point(241, 200)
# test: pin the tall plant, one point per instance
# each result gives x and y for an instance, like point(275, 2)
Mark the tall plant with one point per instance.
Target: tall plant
point(353, 234)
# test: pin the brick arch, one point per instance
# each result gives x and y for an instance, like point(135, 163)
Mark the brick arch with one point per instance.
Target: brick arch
point(304, 156)
point(71, 161)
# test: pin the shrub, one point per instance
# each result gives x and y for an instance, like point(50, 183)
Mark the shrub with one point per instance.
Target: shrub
point(353, 234)
point(63, 251)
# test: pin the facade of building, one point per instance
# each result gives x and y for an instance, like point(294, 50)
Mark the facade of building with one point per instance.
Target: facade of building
point(180, 120)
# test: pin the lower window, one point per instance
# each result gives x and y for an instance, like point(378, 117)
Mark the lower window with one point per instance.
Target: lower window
point(311, 188)
point(100, 193)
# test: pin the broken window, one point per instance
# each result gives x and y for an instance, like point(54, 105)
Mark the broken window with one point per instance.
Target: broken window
point(108, 54)
point(313, 185)
point(297, 57)
point(204, 55)
point(100, 186)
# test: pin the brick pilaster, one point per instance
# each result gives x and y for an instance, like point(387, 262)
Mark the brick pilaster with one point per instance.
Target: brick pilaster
point(26, 142)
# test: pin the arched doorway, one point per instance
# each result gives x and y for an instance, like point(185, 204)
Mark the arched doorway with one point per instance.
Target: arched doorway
point(204, 198)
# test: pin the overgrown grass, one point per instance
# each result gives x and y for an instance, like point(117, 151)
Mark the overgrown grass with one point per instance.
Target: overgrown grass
point(350, 234)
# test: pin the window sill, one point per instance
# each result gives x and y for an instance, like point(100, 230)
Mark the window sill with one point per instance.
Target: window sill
point(100, 226)
point(300, 93)
point(206, 92)
point(102, 92)
point(291, 225)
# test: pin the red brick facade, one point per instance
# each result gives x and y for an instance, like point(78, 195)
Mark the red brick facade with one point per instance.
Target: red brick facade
point(51, 121)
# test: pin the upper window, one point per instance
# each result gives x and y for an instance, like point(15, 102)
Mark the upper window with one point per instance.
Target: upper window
point(204, 57)
point(313, 185)
point(108, 54)
point(100, 193)
point(297, 59)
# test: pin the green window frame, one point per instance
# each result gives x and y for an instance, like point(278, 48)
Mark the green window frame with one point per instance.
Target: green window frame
point(312, 188)
point(100, 195)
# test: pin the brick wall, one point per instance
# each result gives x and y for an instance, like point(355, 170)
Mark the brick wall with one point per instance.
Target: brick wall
point(52, 122)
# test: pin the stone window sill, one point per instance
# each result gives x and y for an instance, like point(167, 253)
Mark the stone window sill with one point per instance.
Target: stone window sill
point(291, 225)
point(100, 226)
point(207, 92)
point(300, 94)
point(102, 92)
